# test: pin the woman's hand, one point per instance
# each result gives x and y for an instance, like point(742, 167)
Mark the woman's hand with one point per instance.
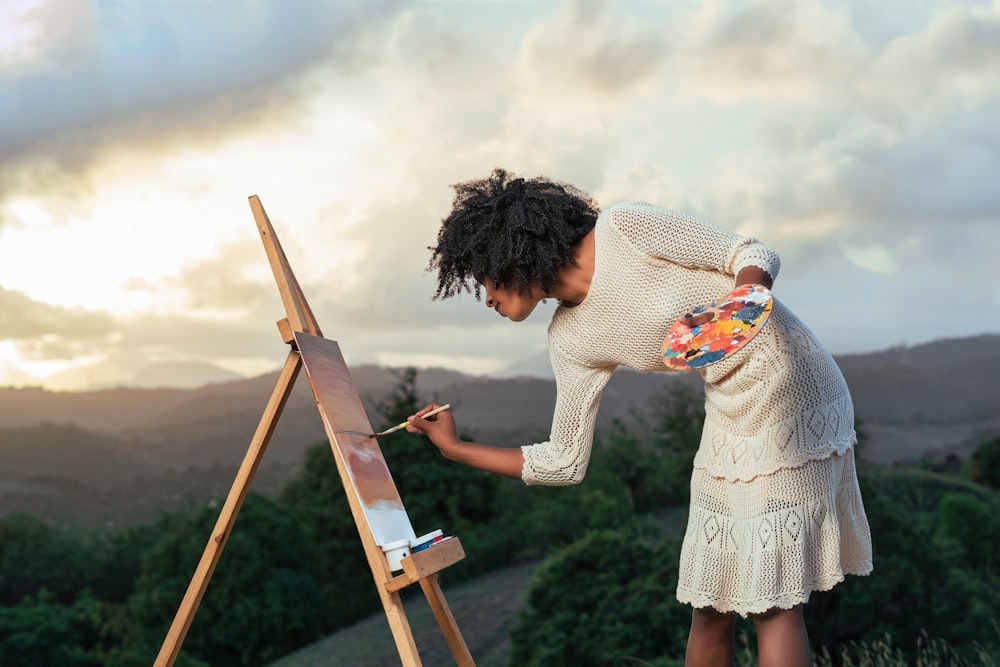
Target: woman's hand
point(753, 275)
point(748, 275)
point(440, 428)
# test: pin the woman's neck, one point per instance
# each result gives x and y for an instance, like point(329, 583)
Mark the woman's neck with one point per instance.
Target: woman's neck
point(573, 281)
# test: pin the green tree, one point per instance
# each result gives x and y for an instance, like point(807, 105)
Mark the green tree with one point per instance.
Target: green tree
point(986, 464)
point(923, 584)
point(318, 501)
point(263, 601)
point(34, 555)
point(975, 524)
point(641, 467)
point(39, 632)
point(606, 599)
point(678, 434)
point(654, 462)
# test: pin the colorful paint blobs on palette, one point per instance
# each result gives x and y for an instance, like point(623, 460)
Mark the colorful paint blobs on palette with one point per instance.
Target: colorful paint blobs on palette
point(737, 319)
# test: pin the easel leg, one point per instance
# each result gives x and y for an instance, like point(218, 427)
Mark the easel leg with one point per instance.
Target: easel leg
point(213, 550)
point(445, 619)
point(400, 628)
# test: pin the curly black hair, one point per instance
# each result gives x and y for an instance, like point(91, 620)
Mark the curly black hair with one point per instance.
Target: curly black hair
point(517, 232)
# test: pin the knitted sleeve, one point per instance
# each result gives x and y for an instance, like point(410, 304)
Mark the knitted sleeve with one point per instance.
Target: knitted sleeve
point(690, 241)
point(563, 459)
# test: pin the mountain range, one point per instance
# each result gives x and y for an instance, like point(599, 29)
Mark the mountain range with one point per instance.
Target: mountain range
point(125, 454)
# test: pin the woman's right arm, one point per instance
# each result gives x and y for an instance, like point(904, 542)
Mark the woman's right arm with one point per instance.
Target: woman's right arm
point(506, 461)
point(560, 461)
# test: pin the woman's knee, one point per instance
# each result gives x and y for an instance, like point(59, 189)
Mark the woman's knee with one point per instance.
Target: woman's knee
point(777, 615)
point(708, 619)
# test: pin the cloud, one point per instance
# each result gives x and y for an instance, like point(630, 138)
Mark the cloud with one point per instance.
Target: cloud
point(587, 46)
point(943, 170)
point(953, 55)
point(858, 141)
point(236, 280)
point(801, 53)
point(88, 73)
point(33, 323)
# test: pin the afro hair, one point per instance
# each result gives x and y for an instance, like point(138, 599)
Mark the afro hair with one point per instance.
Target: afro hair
point(516, 232)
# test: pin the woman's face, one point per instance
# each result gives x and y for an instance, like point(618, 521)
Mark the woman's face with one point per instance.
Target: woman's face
point(506, 301)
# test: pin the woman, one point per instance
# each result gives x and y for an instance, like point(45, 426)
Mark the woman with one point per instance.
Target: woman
point(776, 511)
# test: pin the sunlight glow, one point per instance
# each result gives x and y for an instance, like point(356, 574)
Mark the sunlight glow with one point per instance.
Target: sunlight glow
point(115, 254)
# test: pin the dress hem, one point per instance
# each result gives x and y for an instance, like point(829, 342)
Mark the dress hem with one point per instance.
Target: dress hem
point(761, 605)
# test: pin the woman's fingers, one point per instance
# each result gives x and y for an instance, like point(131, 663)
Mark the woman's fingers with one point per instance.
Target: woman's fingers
point(696, 319)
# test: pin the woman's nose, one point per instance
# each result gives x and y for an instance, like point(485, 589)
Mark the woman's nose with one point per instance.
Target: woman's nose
point(489, 302)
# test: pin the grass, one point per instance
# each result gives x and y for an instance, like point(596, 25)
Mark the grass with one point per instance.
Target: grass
point(881, 653)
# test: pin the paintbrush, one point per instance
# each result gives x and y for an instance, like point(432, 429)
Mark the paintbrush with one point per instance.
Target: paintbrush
point(397, 426)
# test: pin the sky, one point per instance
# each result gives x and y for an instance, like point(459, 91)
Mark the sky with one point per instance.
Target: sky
point(860, 140)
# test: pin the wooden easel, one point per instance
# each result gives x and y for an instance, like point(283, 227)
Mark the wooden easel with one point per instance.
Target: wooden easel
point(421, 567)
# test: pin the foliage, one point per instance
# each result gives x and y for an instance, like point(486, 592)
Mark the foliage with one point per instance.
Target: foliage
point(986, 464)
point(929, 576)
point(542, 518)
point(317, 500)
point(264, 599)
point(606, 599)
point(644, 470)
point(678, 434)
point(654, 462)
point(930, 652)
point(936, 575)
point(40, 631)
point(293, 568)
point(34, 555)
point(974, 525)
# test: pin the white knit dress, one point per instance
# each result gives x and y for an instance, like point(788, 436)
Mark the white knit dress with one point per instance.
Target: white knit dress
point(776, 511)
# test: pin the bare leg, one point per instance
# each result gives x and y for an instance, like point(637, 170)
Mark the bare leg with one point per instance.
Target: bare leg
point(712, 642)
point(782, 640)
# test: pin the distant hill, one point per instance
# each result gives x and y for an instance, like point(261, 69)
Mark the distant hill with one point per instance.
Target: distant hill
point(123, 454)
point(927, 400)
point(182, 375)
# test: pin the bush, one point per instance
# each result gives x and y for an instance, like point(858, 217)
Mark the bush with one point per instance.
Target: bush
point(264, 599)
point(928, 578)
point(33, 556)
point(986, 464)
point(40, 632)
point(606, 599)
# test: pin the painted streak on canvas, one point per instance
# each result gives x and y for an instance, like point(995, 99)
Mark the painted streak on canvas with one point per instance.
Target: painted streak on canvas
point(342, 410)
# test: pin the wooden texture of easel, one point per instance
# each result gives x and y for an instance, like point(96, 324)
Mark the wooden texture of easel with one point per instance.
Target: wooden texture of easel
point(340, 408)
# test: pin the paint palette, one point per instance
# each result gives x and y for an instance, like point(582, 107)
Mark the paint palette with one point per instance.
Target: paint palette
point(736, 320)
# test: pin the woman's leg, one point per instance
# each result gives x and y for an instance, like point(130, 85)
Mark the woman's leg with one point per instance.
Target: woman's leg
point(782, 640)
point(712, 641)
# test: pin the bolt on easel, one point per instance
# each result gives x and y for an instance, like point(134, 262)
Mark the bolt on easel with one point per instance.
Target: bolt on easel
point(378, 512)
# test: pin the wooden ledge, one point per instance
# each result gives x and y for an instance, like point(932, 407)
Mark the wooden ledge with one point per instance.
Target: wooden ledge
point(285, 329)
point(424, 563)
